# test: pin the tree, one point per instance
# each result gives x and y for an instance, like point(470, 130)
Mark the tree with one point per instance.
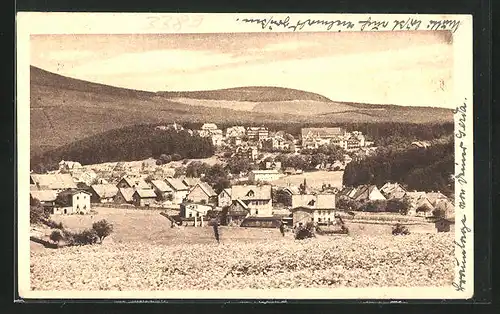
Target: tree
point(176, 157)
point(165, 159)
point(38, 213)
point(239, 165)
point(179, 171)
point(439, 212)
point(401, 206)
point(56, 236)
point(102, 228)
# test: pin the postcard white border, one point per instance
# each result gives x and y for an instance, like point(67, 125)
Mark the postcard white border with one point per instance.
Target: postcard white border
point(28, 23)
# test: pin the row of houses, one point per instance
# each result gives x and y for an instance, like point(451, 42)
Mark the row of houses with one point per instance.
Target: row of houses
point(421, 203)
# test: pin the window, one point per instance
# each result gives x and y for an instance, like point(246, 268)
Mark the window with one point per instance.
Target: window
point(77, 206)
point(190, 215)
point(311, 203)
point(78, 197)
point(256, 212)
point(250, 193)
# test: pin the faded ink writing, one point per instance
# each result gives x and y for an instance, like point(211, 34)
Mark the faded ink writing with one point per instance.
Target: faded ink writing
point(459, 286)
point(367, 24)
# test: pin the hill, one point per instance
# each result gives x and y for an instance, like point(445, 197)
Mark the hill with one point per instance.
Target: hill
point(63, 109)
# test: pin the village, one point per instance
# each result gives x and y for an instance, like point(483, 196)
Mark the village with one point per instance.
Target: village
point(264, 196)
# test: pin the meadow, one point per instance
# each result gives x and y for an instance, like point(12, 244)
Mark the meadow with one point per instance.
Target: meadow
point(145, 253)
point(313, 178)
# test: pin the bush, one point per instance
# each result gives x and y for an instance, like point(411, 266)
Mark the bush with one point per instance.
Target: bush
point(305, 232)
point(56, 236)
point(88, 236)
point(38, 213)
point(102, 228)
point(399, 229)
point(54, 225)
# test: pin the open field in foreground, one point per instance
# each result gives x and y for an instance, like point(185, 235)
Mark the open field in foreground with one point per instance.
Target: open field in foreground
point(144, 253)
point(337, 261)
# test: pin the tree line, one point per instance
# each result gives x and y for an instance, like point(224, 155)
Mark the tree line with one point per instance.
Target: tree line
point(127, 144)
point(423, 169)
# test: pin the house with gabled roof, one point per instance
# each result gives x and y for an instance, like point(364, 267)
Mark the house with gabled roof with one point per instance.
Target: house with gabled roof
point(132, 182)
point(161, 188)
point(103, 193)
point(366, 193)
point(224, 198)
point(72, 201)
point(393, 190)
point(191, 182)
point(237, 212)
point(179, 189)
point(319, 208)
point(202, 193)
point(256, 197)
point(55, 181)
point(419, 204)
point(46, 197)
point(144, 197)
point(124, 196)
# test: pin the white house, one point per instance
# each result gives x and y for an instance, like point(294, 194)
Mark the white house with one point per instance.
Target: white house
point(257, 198)
point(188, 210)
point(313, 208)
point(179, 189)
point(72, 202)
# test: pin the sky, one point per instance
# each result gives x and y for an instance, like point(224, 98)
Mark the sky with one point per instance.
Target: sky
point(401, 68)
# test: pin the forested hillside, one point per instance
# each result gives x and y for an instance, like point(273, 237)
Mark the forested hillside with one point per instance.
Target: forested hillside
point(126, 144)
point(423, 169)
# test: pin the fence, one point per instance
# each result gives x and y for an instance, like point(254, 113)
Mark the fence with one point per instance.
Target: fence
point(130, 206)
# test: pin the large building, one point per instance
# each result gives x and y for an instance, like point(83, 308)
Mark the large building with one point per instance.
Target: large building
point(315, 137)
point(257, 133)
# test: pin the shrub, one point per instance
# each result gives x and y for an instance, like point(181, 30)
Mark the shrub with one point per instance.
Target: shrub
point(88, 236)
point(38, 213)
point(399, 229)
point(54, 225)
point(102, 229)
point(305, 232)
point(56, 236)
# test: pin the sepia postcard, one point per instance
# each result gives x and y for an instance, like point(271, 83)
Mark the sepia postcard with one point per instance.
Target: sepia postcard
point(244, 156)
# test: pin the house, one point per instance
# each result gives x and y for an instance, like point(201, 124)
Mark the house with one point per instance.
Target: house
point(393, 190)
point(257, 198)
point(419, 204)
point(436, 197)
point(224, 198)
point(315, 137)
point(132, 182)
point(247, 152)
point(420, 144)
point(46, 197)
point(264, 175)
point(72, 202)
point(144, 198)
point(444, 225)
point(257, 133)
point(103, 193)
point(202, 193)
point(69, 165)
point(124, 196)
point(273, 165)
point(366, 193)
point(191, 182)
point(161, 188)
point(237, 212)
point(235, 132)
point(348, 192)
point(57, 181)
point(179, 189)
point(189, 210)
point(305, 214)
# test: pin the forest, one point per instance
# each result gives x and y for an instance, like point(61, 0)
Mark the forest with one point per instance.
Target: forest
point(422, 169)
point(126, 144)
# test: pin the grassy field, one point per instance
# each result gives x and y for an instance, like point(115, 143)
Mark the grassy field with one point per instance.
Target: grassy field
point(314, 179)
point(145, 253)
